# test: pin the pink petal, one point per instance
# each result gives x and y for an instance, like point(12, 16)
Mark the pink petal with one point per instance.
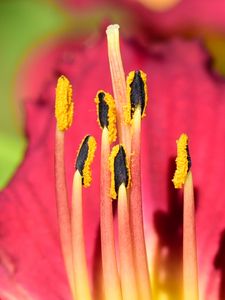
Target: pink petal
point(186, 97)
point(185, 15)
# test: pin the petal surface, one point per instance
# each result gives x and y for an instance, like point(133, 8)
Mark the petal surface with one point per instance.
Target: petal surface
point(183, 15)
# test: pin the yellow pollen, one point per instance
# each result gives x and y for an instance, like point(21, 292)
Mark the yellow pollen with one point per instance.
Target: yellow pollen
point(87, 178)
point(113, 154)
point(111, 117)
point(128, 108)
point(181, 162)
point(63, 104)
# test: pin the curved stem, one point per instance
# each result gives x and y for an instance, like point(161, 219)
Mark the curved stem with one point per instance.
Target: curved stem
point(110, 271)
point(127, 270)
point(190, 266)
point(82, 287)
point(136, 215)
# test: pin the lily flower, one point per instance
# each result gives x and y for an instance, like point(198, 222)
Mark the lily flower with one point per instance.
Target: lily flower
point(184, 96)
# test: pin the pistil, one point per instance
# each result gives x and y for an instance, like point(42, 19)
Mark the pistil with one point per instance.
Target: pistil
point(119, 84)
point(183, 177)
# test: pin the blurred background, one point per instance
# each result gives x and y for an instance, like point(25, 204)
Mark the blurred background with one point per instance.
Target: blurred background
point(31, 27)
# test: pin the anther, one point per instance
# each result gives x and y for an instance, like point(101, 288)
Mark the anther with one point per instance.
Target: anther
point(136, 93)
point(183, 161)
point(106, 110)
point(63, 104)
point(120, 173)
point(84, 159)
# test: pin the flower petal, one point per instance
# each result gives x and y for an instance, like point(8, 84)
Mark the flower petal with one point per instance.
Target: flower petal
point(183, 15)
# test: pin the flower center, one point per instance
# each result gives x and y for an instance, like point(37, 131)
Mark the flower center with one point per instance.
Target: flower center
point(120, 179)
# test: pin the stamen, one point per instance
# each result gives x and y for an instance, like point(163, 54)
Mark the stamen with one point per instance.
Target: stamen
point(63, 90)
point(63, 104)
point(121, 178)
point(84, 159)
point(136, 215)
point(184, 176)
point(119, 84)
point(110, 272)
point(106, 110)
point(120, 172)
point(86, 153)
point(136, 94)
point(183, 161)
